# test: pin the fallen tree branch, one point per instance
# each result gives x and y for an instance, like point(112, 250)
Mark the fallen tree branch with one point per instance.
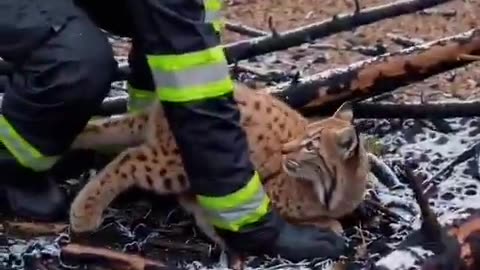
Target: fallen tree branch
point(374, 50)
point(31, 229)
point(428, 110)
point(439, 12)
point(111, 258)
point(197, 248)
point(430, 226)
point(325, 91)
point(244, 30)
point(261, 45)
point(404, 41)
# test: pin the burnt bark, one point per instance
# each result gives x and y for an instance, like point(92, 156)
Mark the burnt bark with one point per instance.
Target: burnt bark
point(244, 30)
point(261, 45)
point(415, 111)
point(324, 92)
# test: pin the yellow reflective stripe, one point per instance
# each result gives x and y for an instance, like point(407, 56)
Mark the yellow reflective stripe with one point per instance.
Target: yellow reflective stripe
point(138, 98)
point(180, 62)
point(212, 5)
point(245, 206)
point(218, 25)
point(213, 13)
point(26, 154)
point(235, 199)
point(237, 224)
point(192, 93)
point(191, 76)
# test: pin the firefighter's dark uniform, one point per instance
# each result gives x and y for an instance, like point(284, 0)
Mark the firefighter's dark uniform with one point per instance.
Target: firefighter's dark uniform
point(64, 69)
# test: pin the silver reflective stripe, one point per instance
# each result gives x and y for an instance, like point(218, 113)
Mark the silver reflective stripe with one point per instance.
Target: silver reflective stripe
point(212, 16)
point(241, 211)
point(26, 154)
point(196, 76)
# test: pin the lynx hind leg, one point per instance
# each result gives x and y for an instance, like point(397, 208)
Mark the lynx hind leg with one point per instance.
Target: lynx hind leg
point(118, 132)
point(87, 208)
point(190, 205)
point(326, 223)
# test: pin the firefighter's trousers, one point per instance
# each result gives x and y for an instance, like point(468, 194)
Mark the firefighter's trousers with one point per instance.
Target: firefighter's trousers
point(64, 66)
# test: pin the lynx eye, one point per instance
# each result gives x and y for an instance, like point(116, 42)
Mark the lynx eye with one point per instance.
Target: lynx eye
point(309, 146)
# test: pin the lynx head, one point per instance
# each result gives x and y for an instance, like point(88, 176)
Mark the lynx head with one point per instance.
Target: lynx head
point(326, 147)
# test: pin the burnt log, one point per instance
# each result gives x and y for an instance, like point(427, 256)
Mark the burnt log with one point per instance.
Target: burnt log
point(244, 30)
point(416, 111)
point(324, 92)
point(245, 49)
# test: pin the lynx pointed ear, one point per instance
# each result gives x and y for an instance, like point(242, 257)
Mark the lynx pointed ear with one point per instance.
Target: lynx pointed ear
point(345, 112)
point(347, 142)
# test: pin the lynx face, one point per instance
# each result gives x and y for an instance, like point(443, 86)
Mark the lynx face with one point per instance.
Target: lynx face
point(322, 155)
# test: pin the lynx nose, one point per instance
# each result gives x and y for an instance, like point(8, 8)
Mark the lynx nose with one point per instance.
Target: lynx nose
point(291, 165)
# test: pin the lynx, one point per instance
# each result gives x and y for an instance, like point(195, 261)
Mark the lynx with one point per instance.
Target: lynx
point(313, 172)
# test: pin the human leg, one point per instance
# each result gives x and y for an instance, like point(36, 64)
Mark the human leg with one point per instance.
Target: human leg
point(64, 69)
point(192, 82)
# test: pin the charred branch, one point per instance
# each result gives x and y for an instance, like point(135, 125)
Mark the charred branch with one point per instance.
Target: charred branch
point(111, 258)
point(325, 91)
point(405, 111)
point(430, 226)
point(244, 30)
point(261, 45)
point(439, 12)
point(33, 229)
point(374, 50)
point(404, 41)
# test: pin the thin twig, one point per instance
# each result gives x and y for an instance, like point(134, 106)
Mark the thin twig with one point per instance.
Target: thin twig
point(244, 30)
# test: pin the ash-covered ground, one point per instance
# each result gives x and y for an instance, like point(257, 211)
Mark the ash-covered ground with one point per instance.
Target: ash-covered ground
point(443, 151)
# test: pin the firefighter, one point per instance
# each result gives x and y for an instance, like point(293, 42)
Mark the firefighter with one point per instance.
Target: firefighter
point(63, 69)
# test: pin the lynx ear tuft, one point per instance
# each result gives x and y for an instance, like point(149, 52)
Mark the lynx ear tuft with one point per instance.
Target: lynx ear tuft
point(345, 112)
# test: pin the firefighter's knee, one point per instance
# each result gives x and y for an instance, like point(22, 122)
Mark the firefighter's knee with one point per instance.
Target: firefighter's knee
point(93, 70)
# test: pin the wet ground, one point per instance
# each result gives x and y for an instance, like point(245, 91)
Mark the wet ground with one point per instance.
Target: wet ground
point(154, 227)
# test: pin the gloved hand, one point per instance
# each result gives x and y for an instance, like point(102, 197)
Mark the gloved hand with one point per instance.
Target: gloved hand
point(30, 194)
point(274, 236)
